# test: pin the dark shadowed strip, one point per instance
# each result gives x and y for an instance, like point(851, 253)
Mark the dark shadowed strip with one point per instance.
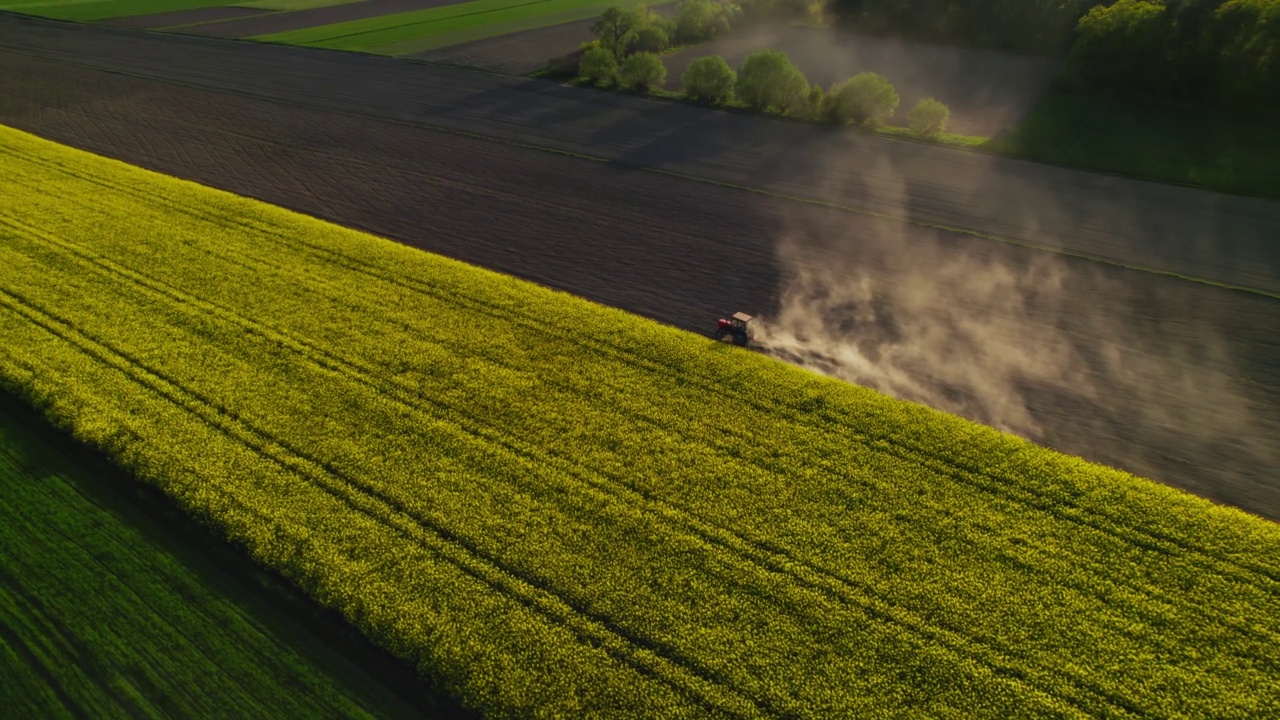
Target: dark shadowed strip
point(267, 24)
point(184, 17)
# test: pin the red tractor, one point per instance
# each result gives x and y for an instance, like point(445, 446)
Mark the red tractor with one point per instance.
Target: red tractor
point(736, 329)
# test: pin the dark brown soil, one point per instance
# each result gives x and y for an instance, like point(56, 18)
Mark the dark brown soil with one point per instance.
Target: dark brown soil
point(518, 53)
point(286, 21)
point(1182, 378)
point(184, 17)
point(524, 52)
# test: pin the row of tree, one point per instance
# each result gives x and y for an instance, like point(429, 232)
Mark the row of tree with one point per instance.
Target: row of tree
point(1223, 52)
point(625, 31)
point(1030, 26)
point(1204, 51)
point(767, 81)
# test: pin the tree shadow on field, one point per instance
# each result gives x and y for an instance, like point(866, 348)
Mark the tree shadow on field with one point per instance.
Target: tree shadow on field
point(226, 570)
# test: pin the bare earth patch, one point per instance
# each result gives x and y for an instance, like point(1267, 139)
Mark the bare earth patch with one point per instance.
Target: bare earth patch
point(988, 92)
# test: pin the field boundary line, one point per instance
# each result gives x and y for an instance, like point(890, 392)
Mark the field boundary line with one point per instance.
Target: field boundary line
point(744, 550)
point(690, 177)
point(393, 27)
point(1094, 519)
point(590, 630)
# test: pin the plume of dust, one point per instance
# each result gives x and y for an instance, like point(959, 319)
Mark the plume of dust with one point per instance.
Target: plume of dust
point(1012, 343)
point(950, 331)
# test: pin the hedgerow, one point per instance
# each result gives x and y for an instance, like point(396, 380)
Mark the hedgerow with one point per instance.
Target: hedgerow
point(566, 510)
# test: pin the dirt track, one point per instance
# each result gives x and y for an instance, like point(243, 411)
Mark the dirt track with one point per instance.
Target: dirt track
point(1187, 391)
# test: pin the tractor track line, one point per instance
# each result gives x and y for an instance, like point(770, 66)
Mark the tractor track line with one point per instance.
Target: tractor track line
point(743, 549)
point(591, 630)
point(984, 479)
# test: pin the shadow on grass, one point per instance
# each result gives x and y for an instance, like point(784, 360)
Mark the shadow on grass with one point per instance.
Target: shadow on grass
point(226, 570)
point(1191, 145)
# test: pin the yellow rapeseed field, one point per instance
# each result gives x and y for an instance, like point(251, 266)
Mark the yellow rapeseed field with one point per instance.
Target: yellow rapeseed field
point(567, 511)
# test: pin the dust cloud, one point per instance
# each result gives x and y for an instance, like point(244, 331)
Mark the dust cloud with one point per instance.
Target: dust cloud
point(1030, 342)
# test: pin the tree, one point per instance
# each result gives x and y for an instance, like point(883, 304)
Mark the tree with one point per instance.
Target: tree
point(767, 80)
point(701, 20)
point(709, 79)
point(598, 64)
point(815, 100)
point(1118, 46)
point(928, 117)
point(642, 71)
point(616, 27)
point(652, 38)
point(866, 98)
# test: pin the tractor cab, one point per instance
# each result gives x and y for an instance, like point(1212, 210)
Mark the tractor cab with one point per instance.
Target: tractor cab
point(736, 329)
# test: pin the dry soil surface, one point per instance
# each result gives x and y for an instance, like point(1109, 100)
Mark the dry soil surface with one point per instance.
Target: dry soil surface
point(524, 52)
point(279, 22)
point(1173, 379)
point(518, 53)
point(988, 92)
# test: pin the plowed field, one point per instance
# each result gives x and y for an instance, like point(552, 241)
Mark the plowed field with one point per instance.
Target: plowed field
point(1172, 379)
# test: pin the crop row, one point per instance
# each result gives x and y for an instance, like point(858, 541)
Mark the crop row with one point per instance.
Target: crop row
point(573, 510)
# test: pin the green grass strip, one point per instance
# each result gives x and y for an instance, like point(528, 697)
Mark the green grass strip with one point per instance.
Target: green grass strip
point(471, 32)
point(292, 4)
point(572, 511)
point(105, 613)
point(420, 24)
point(106, 9)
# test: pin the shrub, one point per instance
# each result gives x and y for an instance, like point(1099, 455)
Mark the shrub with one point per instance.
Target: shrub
point(617, 27)
point(815, 100)
point(652, 38)
point(709, 79)
point(928, 117)
point(598, 64)
point(702, 19)
point(768, 80)
point(642, 71)
point(866, 98)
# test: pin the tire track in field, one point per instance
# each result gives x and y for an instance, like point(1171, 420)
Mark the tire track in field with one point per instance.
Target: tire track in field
point(754, 554)
point(986, 480)
point(808, 582)
point(595, 631)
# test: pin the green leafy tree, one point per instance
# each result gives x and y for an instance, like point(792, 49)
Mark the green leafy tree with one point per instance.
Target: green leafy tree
point(652, 38)
point(928, 117)
point(709, 79)
point(768, 80)
point(815, 100)
point(866, 98)
point(702, 19)
point(617, 26)
point(1118, 46)
point(642, 71)
point(599, 64)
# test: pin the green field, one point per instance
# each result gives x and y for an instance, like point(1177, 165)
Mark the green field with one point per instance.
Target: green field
point(1195, 145)
point(107, 611)
point(91, 10)
point(566, 510)
point(420, 30)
